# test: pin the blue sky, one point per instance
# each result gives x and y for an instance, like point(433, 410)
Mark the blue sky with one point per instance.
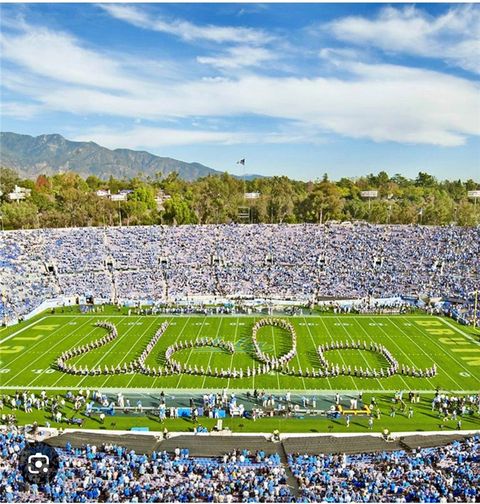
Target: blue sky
point(296, 89)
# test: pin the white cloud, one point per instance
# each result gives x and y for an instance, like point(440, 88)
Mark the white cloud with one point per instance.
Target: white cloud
point(453, 37)
point(379, 102)
point(152, 137)
point(239, 57)
point(19, 110)
point(59, 56)
point(184, 29)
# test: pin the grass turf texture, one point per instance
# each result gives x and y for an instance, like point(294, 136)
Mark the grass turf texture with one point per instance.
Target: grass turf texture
point(28, 351)
point(424, 419)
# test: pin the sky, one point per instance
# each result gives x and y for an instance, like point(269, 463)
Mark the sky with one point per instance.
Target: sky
point(295, 89)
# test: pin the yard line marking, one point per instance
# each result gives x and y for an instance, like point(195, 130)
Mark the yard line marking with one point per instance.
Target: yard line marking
point(314, 349)
point(469, 336)
point(176, 339)
point(386, 334)
point(275, 350)
point(344, 363)
point(401, 350)
point(115, 343)
point(444, 350)
point(21, 330)
point(363, 356)
point(211, 353)
point(190, 353)
point(231, 359)
point(418, 346)
point(62, 374)
point(43, 353)
point(133, 374)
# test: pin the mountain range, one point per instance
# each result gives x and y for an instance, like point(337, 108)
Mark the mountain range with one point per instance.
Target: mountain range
point(50, 154)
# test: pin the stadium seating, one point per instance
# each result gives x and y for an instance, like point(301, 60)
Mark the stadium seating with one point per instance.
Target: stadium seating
point(274, 261)
point(112, 473)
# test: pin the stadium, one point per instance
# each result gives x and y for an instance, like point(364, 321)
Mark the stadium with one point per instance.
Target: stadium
point(239, 252)
point(250, 348)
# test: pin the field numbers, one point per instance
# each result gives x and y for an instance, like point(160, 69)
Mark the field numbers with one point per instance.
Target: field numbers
point(45, 371)
point(11, 349)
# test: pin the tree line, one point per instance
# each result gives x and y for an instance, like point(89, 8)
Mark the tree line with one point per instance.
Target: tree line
point(67, 200)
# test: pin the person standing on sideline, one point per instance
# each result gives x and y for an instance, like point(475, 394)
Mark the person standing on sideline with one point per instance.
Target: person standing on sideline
point(370, 423)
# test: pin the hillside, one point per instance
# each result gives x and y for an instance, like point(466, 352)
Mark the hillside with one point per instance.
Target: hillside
point(49, 154)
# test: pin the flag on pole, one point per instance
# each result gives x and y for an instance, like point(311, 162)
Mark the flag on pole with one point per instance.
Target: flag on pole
point(242, 162)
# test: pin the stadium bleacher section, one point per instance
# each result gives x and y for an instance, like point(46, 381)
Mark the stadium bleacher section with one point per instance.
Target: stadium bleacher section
point(300, 262)
point(114, 473)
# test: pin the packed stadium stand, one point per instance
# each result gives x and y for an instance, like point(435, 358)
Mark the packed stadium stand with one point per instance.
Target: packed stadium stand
point(176, 471)
point(299, 262)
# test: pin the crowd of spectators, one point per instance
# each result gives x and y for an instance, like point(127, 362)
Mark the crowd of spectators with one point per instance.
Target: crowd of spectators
point(444, 474)
point(301, 262)
point(112, 473)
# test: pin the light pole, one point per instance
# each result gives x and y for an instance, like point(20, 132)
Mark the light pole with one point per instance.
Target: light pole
point(474, 195)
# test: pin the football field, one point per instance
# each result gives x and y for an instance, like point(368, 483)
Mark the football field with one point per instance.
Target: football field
point(29, 351)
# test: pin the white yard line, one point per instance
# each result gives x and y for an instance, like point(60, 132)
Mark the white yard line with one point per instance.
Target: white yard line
point(451, 356)
point(364, 330)
point(275, 352)
point(469, 336)
point(231, 359)
point(176, 339)
point(21, 330)
point(421, 349)
point(62, 374)
point(344, 363)
point(361, 352)
point(49, 350)
point(314, 349)
point(211, 353)
point(31, 347)
point(191, 350)
point(133, 374)
point(114, 344)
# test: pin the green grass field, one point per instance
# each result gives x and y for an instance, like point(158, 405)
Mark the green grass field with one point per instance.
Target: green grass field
point(28, 351)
